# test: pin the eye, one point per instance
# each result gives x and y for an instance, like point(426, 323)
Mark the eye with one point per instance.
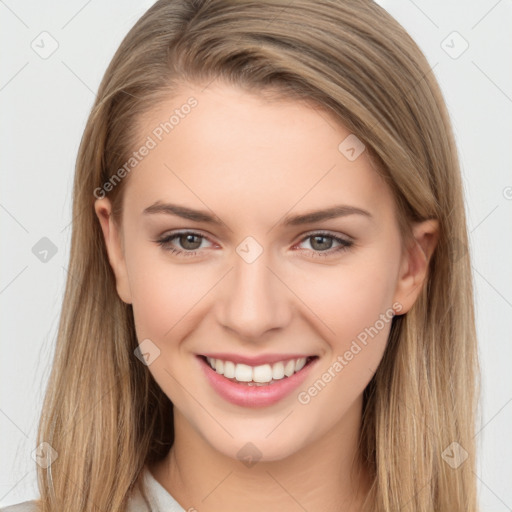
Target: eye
point(189, 242)
point(322, 243)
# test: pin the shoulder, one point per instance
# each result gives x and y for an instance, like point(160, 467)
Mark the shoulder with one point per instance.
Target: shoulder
point(26, 506)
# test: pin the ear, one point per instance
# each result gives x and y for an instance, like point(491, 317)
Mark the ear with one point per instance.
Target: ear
point(415, 261)
point(114, 246)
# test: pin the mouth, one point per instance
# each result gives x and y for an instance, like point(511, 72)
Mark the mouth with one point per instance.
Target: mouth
point(251, 385)
point(260, 375)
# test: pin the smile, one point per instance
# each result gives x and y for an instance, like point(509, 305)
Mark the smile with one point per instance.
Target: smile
point(256, 385)
point(257, 375)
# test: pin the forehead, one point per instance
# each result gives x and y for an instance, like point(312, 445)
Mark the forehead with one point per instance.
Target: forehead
point(248, 154)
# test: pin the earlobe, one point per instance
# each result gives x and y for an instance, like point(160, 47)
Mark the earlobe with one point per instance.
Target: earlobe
point(112, 237)
point(415, 263)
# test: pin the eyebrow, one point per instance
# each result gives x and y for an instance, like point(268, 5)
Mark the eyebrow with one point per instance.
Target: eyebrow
point(289, 220)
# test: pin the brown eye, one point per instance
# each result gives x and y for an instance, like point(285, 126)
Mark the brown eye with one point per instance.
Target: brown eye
point(189, 241)
point(321, 242)
point(185, 243)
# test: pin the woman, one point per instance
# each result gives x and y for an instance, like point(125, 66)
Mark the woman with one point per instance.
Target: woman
point(266, 308)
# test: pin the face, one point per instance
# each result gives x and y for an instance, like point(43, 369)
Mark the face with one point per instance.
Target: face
point(227, 261)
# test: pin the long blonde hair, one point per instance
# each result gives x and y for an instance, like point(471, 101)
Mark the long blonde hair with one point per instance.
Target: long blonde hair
point(103, 412)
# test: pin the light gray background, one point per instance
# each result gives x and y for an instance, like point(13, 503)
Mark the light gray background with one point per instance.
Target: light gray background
point(45, 103)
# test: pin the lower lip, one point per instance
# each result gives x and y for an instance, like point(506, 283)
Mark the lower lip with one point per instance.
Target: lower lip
point(254, 396)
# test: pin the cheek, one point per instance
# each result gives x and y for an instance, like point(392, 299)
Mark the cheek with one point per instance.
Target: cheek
point(354, 301)
point(358, 310)
point(350, 297)
point(163, 293)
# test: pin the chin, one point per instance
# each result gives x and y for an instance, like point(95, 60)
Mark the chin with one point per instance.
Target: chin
point(258, 447)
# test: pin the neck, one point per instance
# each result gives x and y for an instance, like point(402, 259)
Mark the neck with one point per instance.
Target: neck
point(326, 474)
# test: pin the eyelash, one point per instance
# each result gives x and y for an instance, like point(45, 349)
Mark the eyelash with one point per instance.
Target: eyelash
point(166, 240)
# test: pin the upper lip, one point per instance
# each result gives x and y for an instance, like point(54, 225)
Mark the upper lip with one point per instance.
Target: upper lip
point(255, 360)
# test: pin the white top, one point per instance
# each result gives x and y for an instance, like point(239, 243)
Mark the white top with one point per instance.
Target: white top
point(159, 498)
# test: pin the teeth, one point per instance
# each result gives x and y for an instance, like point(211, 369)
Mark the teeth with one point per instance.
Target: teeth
point(262, 373)
point(229, 369)
point(289, 369)
point(298, 365)
point(255, 375)
point(243, 372)
point(278, 371)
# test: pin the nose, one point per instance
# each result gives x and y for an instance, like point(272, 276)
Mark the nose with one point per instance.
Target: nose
point(254, 300)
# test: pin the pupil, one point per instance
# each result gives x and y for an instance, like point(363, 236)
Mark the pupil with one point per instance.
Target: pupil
point(321, 246)
point(320, 242)
point(188, 239)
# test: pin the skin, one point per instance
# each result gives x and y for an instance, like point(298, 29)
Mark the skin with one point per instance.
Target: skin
point(251, 162)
